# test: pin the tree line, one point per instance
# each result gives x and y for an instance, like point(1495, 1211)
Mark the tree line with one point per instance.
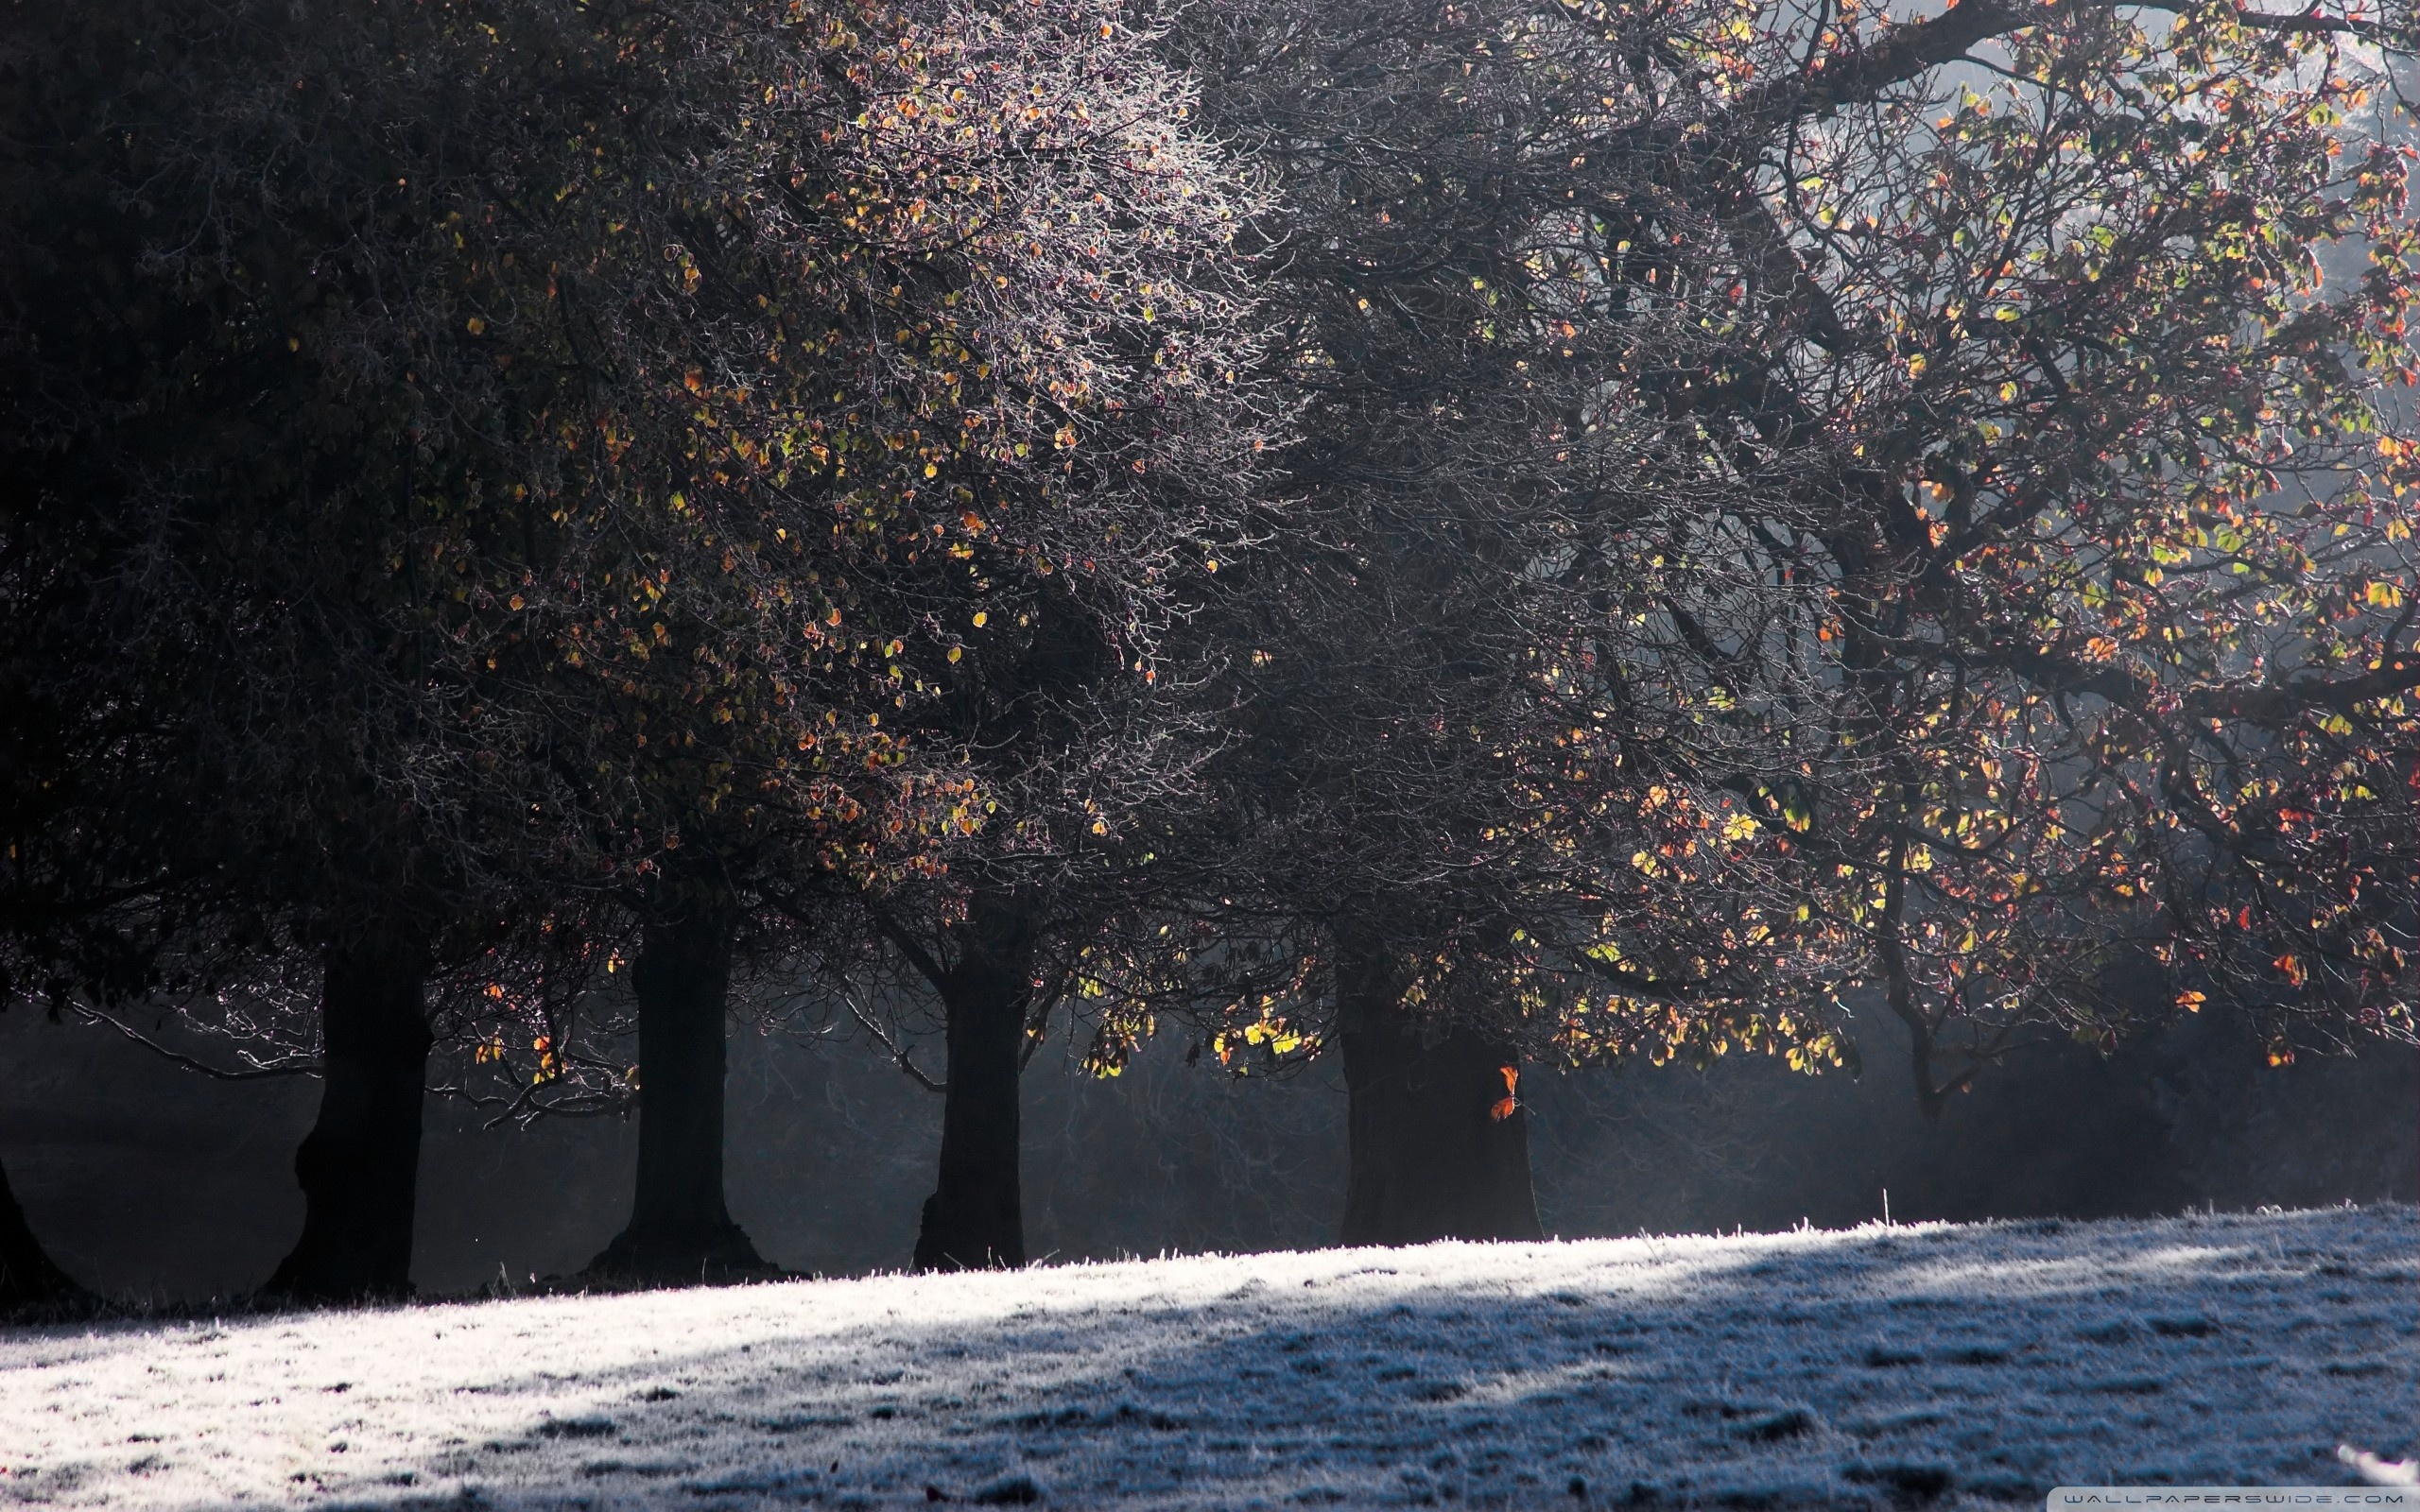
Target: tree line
point(1461, 536)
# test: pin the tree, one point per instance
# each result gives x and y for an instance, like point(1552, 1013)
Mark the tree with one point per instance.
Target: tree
point(1442, 756)
point(1030, 326)
point(2109, 659)
point(1681, 285)
point(400, 532)
point(1085, 756)
point(161, 442)
point(77, 829)
point(1067, 679)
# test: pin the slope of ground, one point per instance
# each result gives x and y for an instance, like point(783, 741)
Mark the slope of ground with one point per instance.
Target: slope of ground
point(1875, 1366)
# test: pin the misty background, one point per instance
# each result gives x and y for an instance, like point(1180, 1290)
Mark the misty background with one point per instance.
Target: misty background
point(155, 1183)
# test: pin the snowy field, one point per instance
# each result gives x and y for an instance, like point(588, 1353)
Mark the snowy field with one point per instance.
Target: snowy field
point(1884, 1367)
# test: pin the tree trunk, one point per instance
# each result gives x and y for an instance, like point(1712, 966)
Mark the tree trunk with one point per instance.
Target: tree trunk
point(1430, 1158)
point(360, 1167)
point(975, 1217)
point(28, 1278)
point(680, 1230)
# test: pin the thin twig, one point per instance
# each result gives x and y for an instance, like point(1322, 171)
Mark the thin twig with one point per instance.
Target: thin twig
point(299, 1068)
point(898, 1055)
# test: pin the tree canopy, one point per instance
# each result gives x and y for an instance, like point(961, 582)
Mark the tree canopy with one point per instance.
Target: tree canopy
point(1511, 530)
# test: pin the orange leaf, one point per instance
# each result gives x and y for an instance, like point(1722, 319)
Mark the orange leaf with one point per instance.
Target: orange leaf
point(1506, 1105)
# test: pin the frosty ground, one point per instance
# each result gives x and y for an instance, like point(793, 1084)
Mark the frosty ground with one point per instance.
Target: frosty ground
point(1878, 1365)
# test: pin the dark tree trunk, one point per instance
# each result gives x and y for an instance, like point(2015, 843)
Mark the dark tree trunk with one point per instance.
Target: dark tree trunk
point(1430, 1158)
point(975, 1217)
point(680, 1230)
point(28, 1278)
point(360, 1167)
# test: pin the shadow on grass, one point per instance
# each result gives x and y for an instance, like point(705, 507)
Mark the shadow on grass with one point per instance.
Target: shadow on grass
point(1874, 1366)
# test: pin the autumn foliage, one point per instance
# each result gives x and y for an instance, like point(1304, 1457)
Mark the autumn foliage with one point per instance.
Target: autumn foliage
point(1582, 531)
point(1879, 524)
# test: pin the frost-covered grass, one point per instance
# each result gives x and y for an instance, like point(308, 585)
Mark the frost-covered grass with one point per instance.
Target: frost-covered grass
point(1884, 1365)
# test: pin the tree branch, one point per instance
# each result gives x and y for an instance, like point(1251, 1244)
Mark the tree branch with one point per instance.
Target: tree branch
point(898, 1055)
point(303, 1068)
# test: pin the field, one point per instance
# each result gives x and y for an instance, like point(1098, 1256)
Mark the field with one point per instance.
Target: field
point(1890, 1366)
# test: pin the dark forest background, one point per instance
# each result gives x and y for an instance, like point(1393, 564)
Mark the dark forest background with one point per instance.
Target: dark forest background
point(155, 1183)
